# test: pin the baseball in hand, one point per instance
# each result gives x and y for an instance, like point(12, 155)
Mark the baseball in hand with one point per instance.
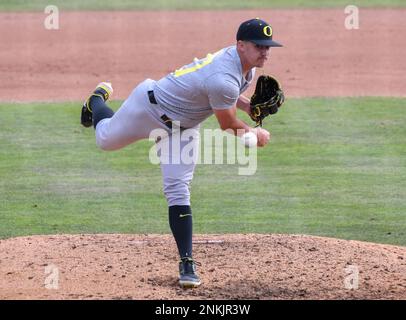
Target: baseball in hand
point(249, 139)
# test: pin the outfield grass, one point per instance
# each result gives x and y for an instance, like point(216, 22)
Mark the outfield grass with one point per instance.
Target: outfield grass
point(335, 167)
point(39, 5)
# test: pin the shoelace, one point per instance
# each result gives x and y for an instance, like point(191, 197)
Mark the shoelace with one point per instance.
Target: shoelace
point(190, 260)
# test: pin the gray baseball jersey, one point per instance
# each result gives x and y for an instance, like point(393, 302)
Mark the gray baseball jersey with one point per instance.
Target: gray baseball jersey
point(188, 95)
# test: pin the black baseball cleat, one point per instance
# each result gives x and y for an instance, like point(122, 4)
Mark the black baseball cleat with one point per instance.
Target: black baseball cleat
point(103, 90)
point(187, 273)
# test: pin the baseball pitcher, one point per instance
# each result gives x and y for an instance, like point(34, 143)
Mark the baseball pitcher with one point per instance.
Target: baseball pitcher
point(189, 95)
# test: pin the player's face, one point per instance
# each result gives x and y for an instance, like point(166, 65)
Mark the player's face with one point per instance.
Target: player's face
point(256, 55)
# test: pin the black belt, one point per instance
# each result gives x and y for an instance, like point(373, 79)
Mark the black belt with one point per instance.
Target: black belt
point(152, 97)
point(164, 117)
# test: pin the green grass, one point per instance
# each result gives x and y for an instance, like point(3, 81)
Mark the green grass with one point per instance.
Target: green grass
point(39, 5)
point(335, 167)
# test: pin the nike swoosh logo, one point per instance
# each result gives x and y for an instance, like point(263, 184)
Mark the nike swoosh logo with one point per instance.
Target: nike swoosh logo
point(184, 215)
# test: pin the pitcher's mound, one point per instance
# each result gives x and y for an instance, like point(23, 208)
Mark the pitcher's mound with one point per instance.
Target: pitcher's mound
point(249, 266)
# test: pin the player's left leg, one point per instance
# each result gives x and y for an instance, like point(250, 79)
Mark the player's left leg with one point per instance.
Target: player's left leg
point(177, 168)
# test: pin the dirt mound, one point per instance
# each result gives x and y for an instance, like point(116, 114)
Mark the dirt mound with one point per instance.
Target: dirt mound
point(232, 267)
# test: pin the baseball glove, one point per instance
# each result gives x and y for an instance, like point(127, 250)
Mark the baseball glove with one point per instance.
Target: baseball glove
point(267, 98)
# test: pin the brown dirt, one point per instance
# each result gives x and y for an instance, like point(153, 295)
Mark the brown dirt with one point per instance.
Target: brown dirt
point(320, 58)
point(248, 266)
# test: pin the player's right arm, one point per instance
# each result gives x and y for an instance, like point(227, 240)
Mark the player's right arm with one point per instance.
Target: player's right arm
point(224, 95)
point(243, 103)
point(227, 119)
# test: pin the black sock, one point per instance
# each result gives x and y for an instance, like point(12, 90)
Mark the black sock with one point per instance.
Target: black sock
point(180, 221)
point(100, 110)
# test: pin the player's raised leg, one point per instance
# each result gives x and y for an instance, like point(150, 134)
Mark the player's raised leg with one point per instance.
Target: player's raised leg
point(133, 121)
point(95, 108)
